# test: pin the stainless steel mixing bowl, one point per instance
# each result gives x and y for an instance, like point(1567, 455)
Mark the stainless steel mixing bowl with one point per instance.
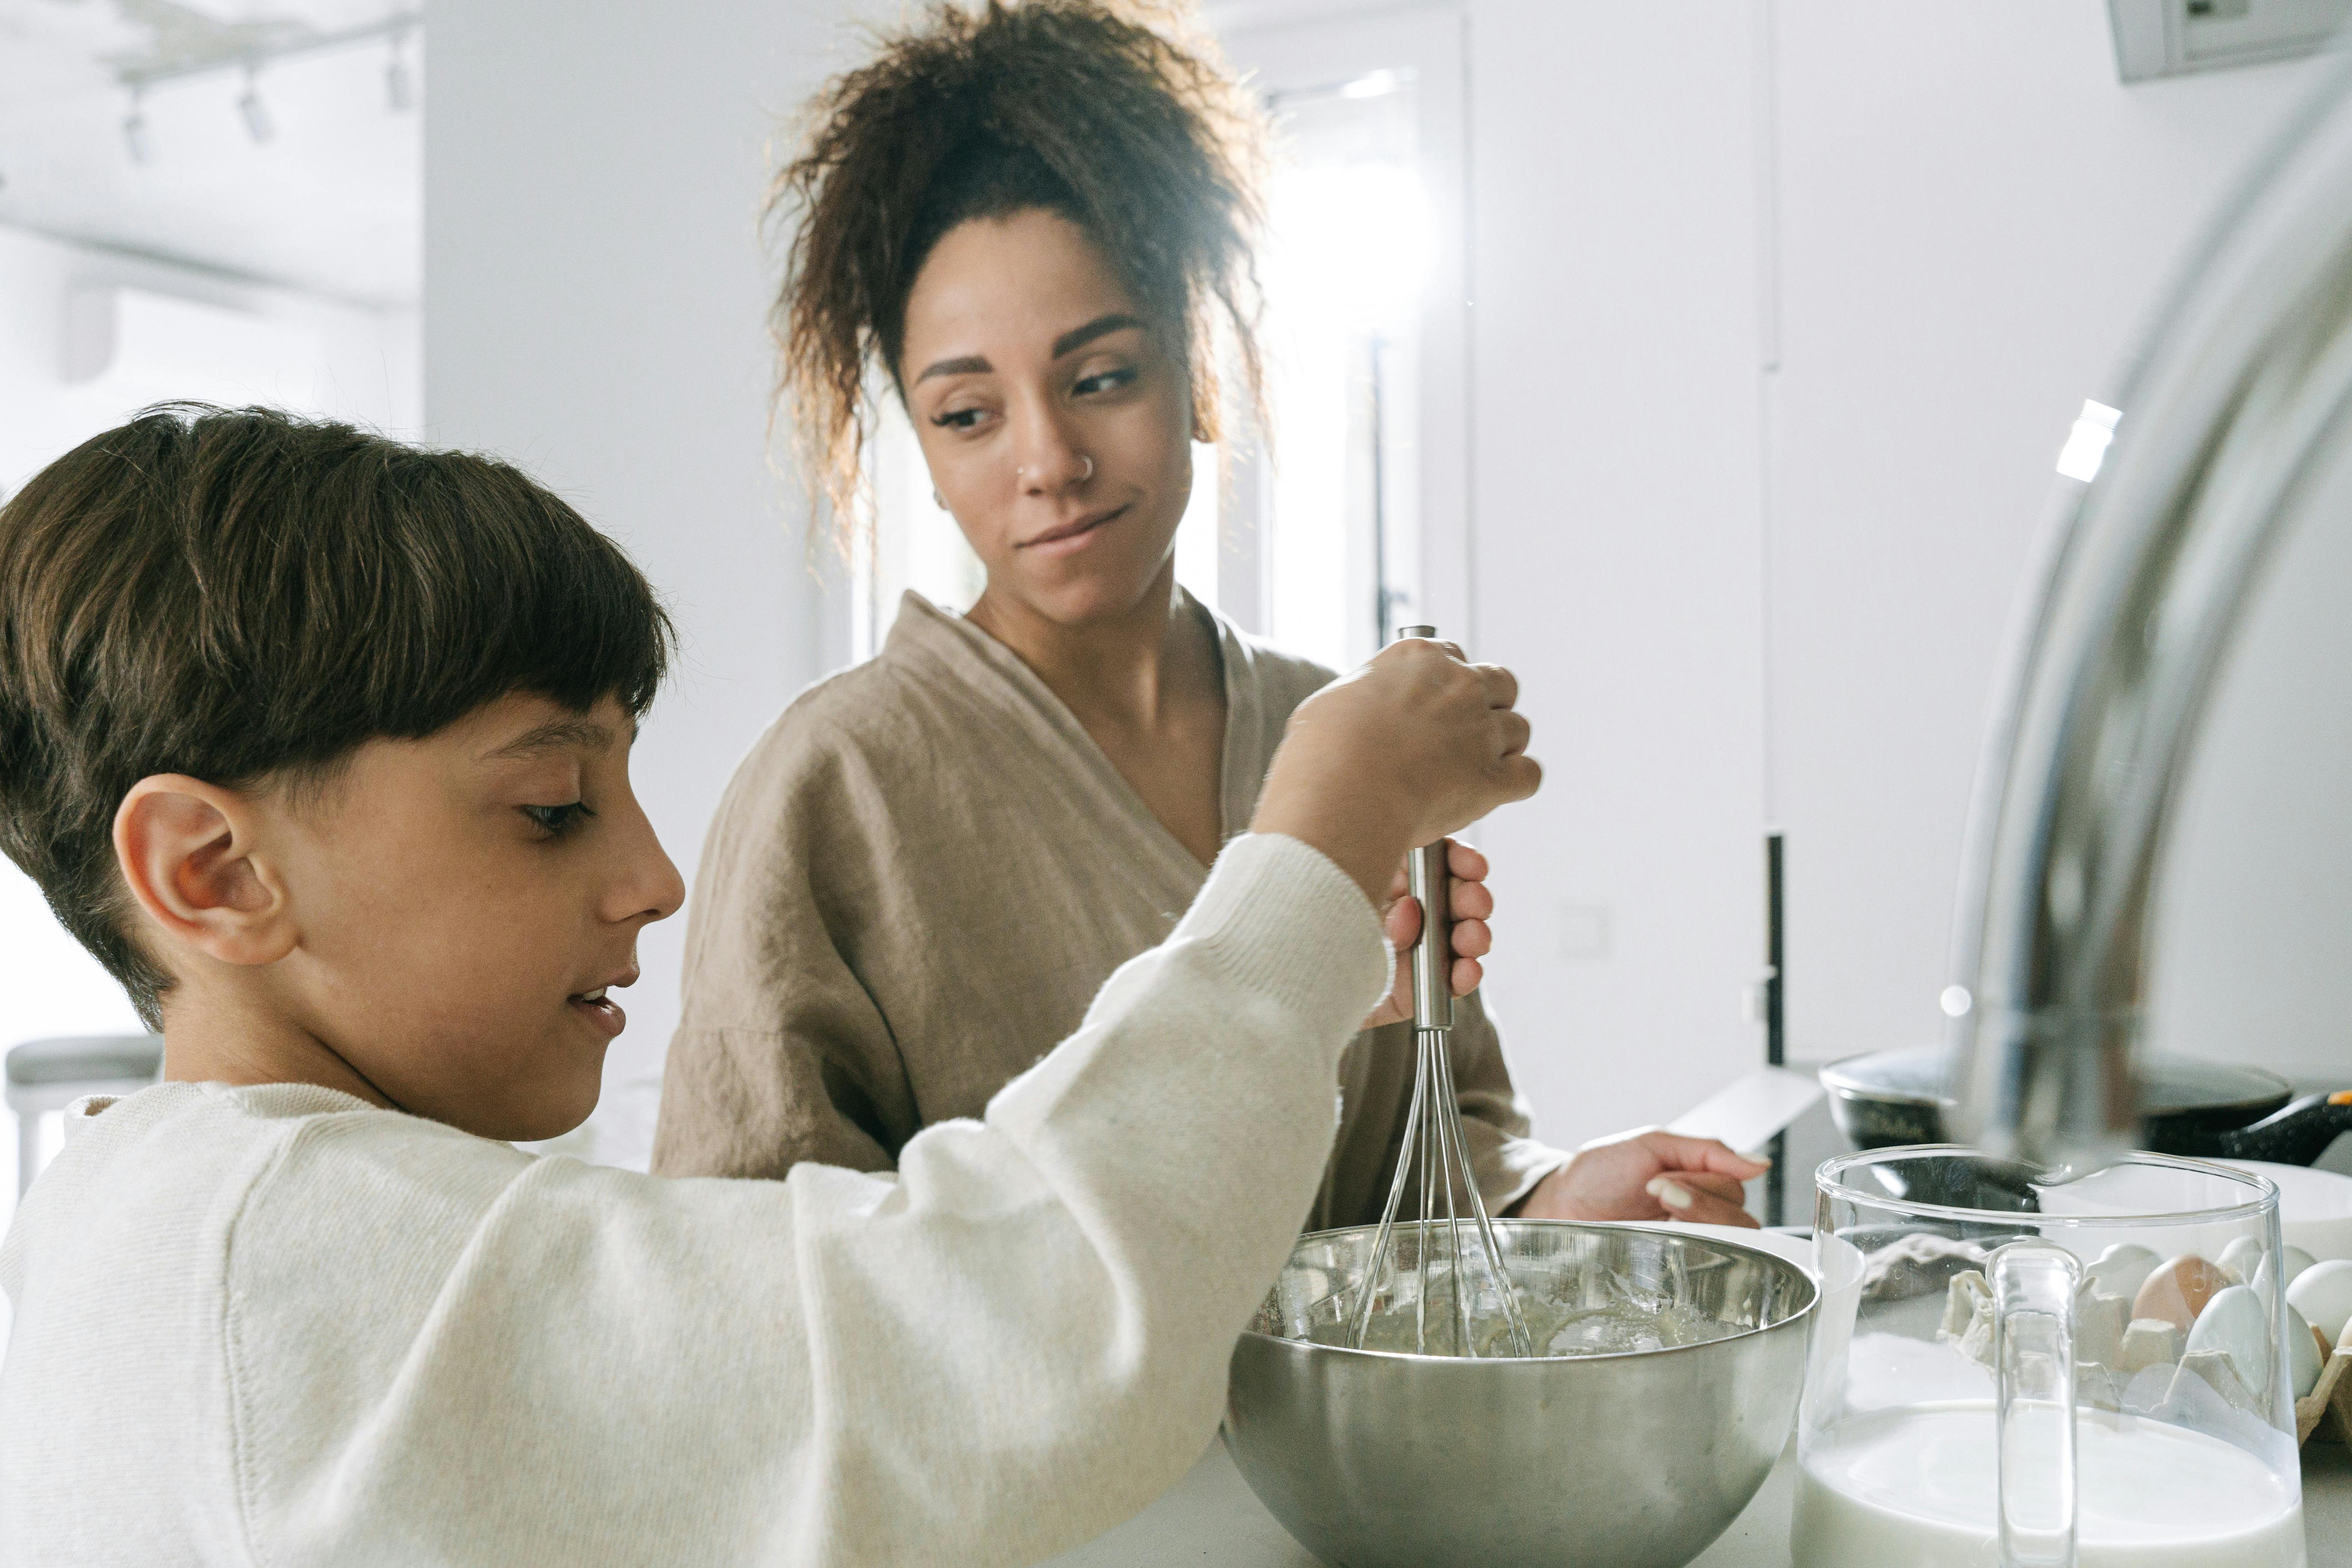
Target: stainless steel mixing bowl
point(1375, 1459)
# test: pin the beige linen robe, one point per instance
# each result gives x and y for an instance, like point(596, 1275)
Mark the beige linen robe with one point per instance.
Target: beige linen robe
point(917, 882)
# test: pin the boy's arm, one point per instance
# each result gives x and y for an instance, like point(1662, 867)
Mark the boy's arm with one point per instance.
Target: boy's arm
point(1020, 1341)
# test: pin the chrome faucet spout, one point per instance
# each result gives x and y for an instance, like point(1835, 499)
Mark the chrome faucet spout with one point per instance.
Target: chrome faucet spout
point(2237, 420)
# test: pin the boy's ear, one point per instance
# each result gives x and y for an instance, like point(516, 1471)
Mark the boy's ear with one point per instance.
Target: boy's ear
point(186, 849)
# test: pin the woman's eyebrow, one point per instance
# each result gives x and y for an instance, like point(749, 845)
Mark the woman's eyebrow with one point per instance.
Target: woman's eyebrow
point(970, 364)
point(1068, 342)
point(1080, 337)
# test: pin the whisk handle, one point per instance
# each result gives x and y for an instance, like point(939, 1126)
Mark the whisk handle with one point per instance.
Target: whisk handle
point(1426, 877)
point(1433, 955)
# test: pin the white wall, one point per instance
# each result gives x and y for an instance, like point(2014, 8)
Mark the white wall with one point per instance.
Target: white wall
point(1781, 314)
point(1617, 554)
point(596, 294)
point(1975, 217)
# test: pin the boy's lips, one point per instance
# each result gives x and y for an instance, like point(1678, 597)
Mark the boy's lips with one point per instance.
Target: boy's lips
point(1071, 535)
point(601, 1011)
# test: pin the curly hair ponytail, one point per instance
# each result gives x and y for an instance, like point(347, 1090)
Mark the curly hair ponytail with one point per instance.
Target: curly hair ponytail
point(1122, 120)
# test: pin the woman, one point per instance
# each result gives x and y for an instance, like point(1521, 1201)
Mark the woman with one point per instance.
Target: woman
point(1031, 219)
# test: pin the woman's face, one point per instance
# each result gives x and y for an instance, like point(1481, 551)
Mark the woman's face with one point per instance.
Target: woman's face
point(1055, 422)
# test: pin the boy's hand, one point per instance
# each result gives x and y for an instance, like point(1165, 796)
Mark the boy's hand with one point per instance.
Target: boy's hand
point(1472, 905)
point(1646, 1175)
point(1410, 748)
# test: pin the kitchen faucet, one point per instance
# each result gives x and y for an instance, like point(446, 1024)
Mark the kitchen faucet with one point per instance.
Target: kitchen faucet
point(2236, 420)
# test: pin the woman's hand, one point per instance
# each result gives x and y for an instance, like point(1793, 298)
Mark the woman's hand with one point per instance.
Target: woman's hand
point(1472, 905)
point(1646, 1175)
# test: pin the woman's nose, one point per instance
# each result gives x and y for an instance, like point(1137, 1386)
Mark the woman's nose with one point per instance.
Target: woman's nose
point(1045, 460)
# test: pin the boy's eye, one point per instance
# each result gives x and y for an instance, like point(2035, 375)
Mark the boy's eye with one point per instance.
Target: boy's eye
point(1105, 381)
point(558, 820)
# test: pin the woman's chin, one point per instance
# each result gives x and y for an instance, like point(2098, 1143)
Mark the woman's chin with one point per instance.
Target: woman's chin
point(1085, 597)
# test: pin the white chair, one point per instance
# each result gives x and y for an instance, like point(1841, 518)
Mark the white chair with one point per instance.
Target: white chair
point(50, 1075)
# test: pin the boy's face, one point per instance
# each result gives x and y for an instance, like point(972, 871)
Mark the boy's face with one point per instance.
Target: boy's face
point(456, 908)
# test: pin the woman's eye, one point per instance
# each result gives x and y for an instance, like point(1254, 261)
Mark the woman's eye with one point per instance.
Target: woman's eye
point(1104, 380)
point(558, 820)
point(959, 419)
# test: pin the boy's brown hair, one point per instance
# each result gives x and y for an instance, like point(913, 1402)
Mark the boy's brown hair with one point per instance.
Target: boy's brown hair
point(246, 597)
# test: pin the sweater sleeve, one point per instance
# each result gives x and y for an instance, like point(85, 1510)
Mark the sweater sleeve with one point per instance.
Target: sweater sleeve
point(1015, 1343)
point(782, 1055)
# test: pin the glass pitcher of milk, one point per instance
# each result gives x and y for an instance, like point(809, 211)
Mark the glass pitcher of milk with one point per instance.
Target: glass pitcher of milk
point(2014, 1372)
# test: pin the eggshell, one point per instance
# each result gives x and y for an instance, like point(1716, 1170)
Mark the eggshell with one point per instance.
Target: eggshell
point(2302, 1358)
point(1966, 1296)
point(2235, 1324)
point(2322, 1294)
point(2100, 1323)
point(2203, 1375)
point(2178, 1291)
point(2123, 1269)
point(2149, 1342)
point(2241, 1258)
point(2297, 1260)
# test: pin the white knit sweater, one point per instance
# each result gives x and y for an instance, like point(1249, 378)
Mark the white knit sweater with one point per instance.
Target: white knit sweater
point(275, 1327)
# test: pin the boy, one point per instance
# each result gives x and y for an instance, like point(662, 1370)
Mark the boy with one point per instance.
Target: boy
point(320, 744)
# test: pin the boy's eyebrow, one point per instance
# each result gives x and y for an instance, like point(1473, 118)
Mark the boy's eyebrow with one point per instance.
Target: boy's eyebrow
point(555, 735)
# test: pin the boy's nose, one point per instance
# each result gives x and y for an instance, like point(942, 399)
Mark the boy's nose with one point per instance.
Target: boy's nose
point(650, 888)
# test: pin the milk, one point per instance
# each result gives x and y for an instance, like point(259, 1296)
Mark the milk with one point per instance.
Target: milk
point(1914, 1487)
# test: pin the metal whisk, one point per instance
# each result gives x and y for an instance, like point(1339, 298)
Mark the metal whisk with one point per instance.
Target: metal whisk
point(1434, 1147)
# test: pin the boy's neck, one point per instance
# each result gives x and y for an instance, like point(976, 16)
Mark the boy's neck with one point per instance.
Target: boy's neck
point(230, 1039)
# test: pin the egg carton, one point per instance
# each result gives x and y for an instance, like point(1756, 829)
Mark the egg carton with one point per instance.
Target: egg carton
point(2327, 1412)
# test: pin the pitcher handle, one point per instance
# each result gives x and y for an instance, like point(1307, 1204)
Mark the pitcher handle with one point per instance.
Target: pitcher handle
point(2034, 1284)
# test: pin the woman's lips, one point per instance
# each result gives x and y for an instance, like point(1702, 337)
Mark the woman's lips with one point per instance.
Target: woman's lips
point(1072, 536)
point(601, 1012)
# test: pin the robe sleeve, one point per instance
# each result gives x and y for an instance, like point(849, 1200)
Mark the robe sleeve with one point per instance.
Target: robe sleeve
point(781, 1055)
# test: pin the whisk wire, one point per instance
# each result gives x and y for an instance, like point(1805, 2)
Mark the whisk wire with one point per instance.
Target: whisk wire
point(1382, 1238)
point(1436, 1148)
point(1432, 1130)
point(1489, 1244)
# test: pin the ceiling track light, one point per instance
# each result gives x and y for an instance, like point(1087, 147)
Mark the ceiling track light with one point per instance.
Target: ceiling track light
point(400, 89)
point(258, 123)
point(135, 138)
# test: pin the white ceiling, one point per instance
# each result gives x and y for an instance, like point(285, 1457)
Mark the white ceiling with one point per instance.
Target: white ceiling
point(332, 203)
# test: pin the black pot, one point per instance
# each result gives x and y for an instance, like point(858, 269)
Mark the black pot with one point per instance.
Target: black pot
point(2201, 1110)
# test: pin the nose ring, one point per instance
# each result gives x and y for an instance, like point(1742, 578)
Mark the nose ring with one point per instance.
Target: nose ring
point(1021, 475)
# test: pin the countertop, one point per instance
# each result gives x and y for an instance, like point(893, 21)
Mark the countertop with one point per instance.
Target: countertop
point(1212, 1517)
